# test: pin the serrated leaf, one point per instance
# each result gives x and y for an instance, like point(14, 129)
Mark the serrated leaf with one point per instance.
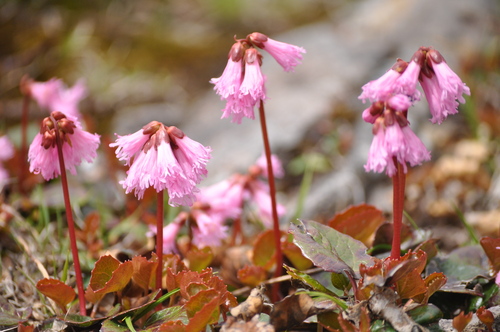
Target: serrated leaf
point(199, 259)
point(109, 275)
point(360, 222)
point(328, 248)
point(198, 301)
point(411, 285)
point(206, 315)
point(56, 290)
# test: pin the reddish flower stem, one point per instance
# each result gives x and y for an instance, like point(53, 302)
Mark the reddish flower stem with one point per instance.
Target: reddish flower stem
point(159, 239)
point(23, 167)
point(272, 194)
point(398, 184)
point(71, 223)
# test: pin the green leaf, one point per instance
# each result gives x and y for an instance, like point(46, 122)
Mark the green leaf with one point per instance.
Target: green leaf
point(425, 314)
point(328, 248)
point(168, 314)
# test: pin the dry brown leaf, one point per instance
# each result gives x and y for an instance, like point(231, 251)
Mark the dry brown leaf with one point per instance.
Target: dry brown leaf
point(234, 325)
point(251, 306)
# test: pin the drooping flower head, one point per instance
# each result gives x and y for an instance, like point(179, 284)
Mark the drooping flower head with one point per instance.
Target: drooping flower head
point(55, 97)
point(287, 55)
point(242, 84)
point(443, 88)
point(163, 158)
point(77, 145)
point(393, 94)
point(394, 141)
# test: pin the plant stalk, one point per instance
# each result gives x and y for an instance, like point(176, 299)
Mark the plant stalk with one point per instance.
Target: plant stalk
point(272, 194)
point(159, 239)
point(71, 223)
point(398, 183)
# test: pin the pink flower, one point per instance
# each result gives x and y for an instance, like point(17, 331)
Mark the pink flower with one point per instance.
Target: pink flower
point(378, 155)
point(383, 88)
point(278, 170)
point(6, 152)
point(77, 145)
point(258, 195)
point(210, 229)
point(229, 83)
point(407, 83)
point(55, 97)
point(394, 142)
point(442, 88)
point(287, 55)
point(224, 198)
point(163, 158)
point(169, 235)
point(399, 103)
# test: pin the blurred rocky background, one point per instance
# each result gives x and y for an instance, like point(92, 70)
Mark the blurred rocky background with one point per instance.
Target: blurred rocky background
point(152, 60)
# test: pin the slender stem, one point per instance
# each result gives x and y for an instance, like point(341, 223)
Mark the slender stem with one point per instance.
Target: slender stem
point(23, 167)
point(159, 239)
point(272, 194)
point(71, 223)
point(398, 181)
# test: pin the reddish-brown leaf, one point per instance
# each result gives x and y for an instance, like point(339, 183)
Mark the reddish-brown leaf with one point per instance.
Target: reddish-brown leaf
point(143, 271)
point(486, 317)
point(252, 275)
point(411, 285)
point(25, 328)
point(461, 320)
point(264, 249)
point(109, 275)
point(199, 259)
point(208, 314)
point(360, 222)
point(490, 248)
point(172, 326)
point(433, 282)
point(56, 290)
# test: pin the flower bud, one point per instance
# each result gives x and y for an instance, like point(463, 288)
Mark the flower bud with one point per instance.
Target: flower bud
point(176, 132)
point(151, 127)
point(237, 51)
point(258, 39)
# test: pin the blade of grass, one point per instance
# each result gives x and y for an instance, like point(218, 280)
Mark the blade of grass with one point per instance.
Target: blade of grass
point(467, 226)
point(411, 220)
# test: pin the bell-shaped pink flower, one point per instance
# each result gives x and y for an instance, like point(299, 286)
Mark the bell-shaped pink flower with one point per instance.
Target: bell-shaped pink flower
point(278, 170)
point(77, 145)
point(383, 88)
point(163, 158)
point(442, 87)
point(55, 97)
point(287, 55)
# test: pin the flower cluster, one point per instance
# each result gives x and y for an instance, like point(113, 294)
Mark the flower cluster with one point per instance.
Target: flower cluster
point(242, 82)
point(223, 201)
point(393, 94)
point(6, 152)
point(77, 145)
point(163, 158)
